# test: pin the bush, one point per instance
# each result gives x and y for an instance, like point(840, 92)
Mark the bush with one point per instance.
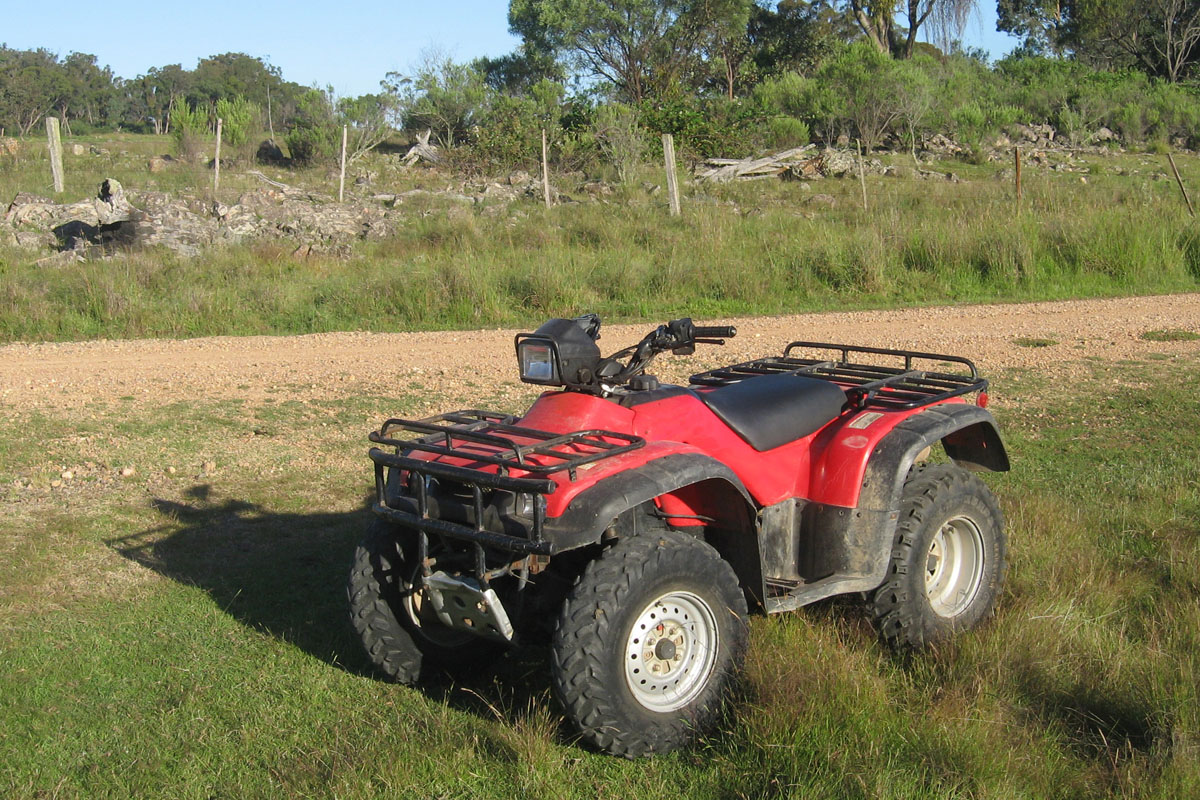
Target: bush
point(189, 129)
point(786, 132)
point(241, 124)
point(315, 135)
point(621, 138)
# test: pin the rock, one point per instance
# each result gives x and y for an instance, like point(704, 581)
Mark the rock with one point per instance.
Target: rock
point(78, 149)
point(821, 200)
point(159, 163)
point(39, 240)
point(1105, 135)
point(10, 146)
point(519, 178)
point(128, 472)
point(598, 189)
point(900, 171)
point(836, 163)
point(67, 475)
point(843, 141)
point(269, 153)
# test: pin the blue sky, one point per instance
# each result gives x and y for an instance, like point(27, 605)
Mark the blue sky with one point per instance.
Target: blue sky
point(312, 43)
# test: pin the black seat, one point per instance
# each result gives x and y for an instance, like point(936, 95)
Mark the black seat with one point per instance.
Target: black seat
point(772, 410)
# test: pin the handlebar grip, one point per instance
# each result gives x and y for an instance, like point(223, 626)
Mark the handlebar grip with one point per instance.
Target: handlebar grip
point(714, 331)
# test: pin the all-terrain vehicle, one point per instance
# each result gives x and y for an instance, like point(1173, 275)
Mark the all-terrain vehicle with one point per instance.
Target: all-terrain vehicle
point(633, 524)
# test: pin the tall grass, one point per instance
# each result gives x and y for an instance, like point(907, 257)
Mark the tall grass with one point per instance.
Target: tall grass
point(759, 248)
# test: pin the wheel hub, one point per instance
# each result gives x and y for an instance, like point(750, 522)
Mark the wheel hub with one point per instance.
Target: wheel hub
point(671, 651)
point(954, 566)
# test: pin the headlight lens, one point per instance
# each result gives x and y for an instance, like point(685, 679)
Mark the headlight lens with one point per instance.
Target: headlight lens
point(537, 362)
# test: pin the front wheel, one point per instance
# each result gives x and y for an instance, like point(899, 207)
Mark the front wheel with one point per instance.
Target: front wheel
point(947, 563)
point(397, 625)
point(647, 643)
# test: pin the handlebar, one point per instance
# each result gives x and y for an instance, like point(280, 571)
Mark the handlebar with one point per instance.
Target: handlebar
point(714, 331)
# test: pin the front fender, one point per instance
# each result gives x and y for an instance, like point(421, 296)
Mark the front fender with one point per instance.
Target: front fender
point(593, 510)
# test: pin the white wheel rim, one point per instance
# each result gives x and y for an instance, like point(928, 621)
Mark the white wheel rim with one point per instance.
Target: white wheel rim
point(954, 566)
point(671, 651)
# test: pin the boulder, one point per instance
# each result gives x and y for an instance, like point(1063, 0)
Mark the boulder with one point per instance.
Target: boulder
point(270, 154)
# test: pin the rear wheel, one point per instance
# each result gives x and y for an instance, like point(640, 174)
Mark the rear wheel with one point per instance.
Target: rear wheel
point(397, 625)
point(947, 563)
point(647, 643)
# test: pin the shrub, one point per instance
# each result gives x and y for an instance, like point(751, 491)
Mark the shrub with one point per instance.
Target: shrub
point(621, 138)
point(240, 125)
point(315, 135)
point(189, 128)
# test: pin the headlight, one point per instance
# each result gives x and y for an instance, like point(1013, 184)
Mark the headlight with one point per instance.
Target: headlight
point(539, 363)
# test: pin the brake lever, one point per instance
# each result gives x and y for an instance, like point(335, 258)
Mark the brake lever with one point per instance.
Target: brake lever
point(710, 341)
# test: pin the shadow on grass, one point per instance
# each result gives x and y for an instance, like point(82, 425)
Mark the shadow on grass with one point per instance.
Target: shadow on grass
point(284, 574)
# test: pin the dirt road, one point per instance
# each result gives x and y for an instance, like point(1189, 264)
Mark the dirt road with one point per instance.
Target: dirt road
point(62, 377)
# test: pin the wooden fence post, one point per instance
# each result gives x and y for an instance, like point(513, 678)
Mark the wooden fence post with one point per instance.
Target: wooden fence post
point(1179, 180)
point(672, 180)
point(545, 169)
point(217, 160)
point(862, 173)
point(342, 174)
point(54, 140)
point(1017, 170)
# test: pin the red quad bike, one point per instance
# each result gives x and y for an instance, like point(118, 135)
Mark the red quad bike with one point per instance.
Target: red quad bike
point(633, 523)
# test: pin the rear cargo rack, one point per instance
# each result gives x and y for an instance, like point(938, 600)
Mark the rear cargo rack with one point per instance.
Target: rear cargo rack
point(483, 438)
point(899, 385)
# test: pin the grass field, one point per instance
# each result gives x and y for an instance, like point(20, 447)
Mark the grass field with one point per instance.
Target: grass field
point(1118, 228)
point(181, 631)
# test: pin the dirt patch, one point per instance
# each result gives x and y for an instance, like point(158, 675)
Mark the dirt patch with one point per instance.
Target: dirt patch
point(61, 377)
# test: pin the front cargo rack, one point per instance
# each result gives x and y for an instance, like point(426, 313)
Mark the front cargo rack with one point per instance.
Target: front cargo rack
point(496, 441)
point(893, 386)
point(482, 438)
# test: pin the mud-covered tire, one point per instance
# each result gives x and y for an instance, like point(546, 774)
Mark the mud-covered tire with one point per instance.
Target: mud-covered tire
point(625, 689)
point(947, 562)
point(399, 645)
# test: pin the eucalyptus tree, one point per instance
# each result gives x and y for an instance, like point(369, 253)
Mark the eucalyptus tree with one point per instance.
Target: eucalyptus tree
point(642, 48)
point(879, 21)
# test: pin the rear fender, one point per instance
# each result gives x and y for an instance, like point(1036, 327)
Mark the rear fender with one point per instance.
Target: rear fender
point(849, 545)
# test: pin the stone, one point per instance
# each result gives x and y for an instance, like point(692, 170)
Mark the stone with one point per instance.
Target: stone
point(270, 154)
point(836, 163)
point(78, 149)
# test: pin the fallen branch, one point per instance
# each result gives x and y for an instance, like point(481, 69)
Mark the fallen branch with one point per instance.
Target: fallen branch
point(726, 169)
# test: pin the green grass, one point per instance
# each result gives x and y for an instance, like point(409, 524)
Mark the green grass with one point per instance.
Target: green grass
point(1171, 335)
point(738, 249)
point(184, 634)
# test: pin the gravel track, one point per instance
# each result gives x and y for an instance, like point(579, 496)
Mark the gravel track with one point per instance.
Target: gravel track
point(65, 376)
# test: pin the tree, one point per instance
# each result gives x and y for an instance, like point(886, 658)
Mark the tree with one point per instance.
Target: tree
point(89, 91)
point(1159, 36)
point(1039, 22)
point(877, 20)
point(157, 91)
point(443, 96)
point(31, 84)
point(641, 47)
point(797, 35)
